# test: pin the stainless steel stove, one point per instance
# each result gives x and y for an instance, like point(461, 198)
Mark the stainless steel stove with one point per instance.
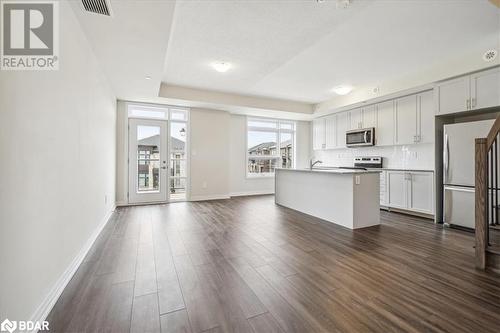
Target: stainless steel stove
point(368, 162)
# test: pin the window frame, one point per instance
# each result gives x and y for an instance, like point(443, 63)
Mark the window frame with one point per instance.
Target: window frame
point(278, 131)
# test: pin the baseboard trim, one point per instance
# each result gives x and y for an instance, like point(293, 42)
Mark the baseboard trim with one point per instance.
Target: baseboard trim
point(209, 197)
point(50, 300)
point(247, 193)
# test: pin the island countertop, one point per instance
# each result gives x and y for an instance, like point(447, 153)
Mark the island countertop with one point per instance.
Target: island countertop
point(332, 170)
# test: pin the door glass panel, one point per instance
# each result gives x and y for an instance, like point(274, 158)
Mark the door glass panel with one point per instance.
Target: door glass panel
point(178, 166)
point(148, 158)
point(177, 188)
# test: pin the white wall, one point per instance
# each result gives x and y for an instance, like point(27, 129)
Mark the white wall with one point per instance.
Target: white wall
point(121, 153)
point(57, 142)
point(239, 183)
point(218, 153)
point(209, 145)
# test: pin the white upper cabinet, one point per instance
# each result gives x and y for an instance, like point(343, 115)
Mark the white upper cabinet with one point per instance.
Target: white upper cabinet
point(406, 120)
point(331, 132)
point(343, 125)
point(318, 127)
point(485, 89)
point(384, 133)
point(453, 95)
point(369, 116)
point(425, 117)
point(469, 92)
point(356, 118)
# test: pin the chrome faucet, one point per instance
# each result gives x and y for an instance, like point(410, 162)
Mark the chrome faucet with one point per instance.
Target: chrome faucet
point(312, 164)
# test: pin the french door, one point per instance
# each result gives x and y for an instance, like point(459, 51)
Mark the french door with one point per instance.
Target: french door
point(148, 161)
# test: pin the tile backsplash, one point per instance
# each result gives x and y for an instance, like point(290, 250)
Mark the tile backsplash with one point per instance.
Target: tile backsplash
point(420, 156)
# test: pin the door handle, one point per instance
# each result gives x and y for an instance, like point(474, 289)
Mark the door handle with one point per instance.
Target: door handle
point(446, 157)
point(163, 167)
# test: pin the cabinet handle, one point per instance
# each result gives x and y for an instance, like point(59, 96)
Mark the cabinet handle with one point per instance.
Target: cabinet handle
point(468, 104)
point(473, 103)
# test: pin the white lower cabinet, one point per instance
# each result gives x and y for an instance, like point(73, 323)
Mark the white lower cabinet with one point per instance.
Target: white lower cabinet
point(421, 198)
point(383, 188)
point(397, 189)
point(413, 191)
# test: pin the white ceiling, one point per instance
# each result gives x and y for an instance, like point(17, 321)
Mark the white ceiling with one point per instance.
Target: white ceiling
point(131, 44)
point(299, 50)
point(285, 50)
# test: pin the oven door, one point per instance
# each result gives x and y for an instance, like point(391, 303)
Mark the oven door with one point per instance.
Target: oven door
point(362, 137)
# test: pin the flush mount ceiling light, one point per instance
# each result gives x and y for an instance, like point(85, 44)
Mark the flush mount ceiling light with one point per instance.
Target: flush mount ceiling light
point(148, 77)
point(490, 55)
point(221, 66)
point(342, 90)
point(343, 4)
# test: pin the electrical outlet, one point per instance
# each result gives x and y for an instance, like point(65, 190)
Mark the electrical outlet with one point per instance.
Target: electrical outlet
point(358, 180)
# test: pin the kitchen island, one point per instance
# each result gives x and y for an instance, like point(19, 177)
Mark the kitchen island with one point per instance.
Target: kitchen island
point(347, 197)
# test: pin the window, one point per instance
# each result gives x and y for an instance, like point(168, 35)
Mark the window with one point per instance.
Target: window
point(147, 111)
point(270, 145)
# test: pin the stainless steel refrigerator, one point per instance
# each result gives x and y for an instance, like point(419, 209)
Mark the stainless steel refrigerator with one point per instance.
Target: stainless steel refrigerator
point(458, 170)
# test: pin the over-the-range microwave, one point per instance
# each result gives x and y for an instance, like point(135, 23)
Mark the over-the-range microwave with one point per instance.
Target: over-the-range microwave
point(360, 137)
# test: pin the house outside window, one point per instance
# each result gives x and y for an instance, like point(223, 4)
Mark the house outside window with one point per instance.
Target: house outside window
point(270, 145)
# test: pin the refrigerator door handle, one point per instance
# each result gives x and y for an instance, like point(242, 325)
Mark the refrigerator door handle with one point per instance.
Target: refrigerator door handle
point(460, 189)
point(446, 158)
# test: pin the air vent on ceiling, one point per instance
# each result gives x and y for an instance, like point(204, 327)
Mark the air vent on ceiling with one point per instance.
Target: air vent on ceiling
point(490, 55)
point(101, 7)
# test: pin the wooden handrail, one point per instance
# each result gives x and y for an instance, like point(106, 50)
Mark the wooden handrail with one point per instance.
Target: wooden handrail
point(481, 195)
point(486, 189)
point(493, 133)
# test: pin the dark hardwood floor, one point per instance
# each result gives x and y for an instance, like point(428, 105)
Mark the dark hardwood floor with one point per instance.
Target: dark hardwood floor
point(247, 265)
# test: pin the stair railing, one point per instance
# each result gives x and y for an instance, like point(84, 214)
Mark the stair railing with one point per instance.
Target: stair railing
point(486, 190)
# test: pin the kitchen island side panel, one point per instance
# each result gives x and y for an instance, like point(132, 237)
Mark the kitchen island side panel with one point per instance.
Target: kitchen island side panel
point(367, 201)
point(327, 196)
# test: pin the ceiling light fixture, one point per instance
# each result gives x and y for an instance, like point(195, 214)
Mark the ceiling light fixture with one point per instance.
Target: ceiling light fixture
point(221, 67)
point(343, 4)
point(148, 77)
point(342, 90)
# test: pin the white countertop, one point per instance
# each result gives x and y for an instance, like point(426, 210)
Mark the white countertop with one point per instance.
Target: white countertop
point(332, 170)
